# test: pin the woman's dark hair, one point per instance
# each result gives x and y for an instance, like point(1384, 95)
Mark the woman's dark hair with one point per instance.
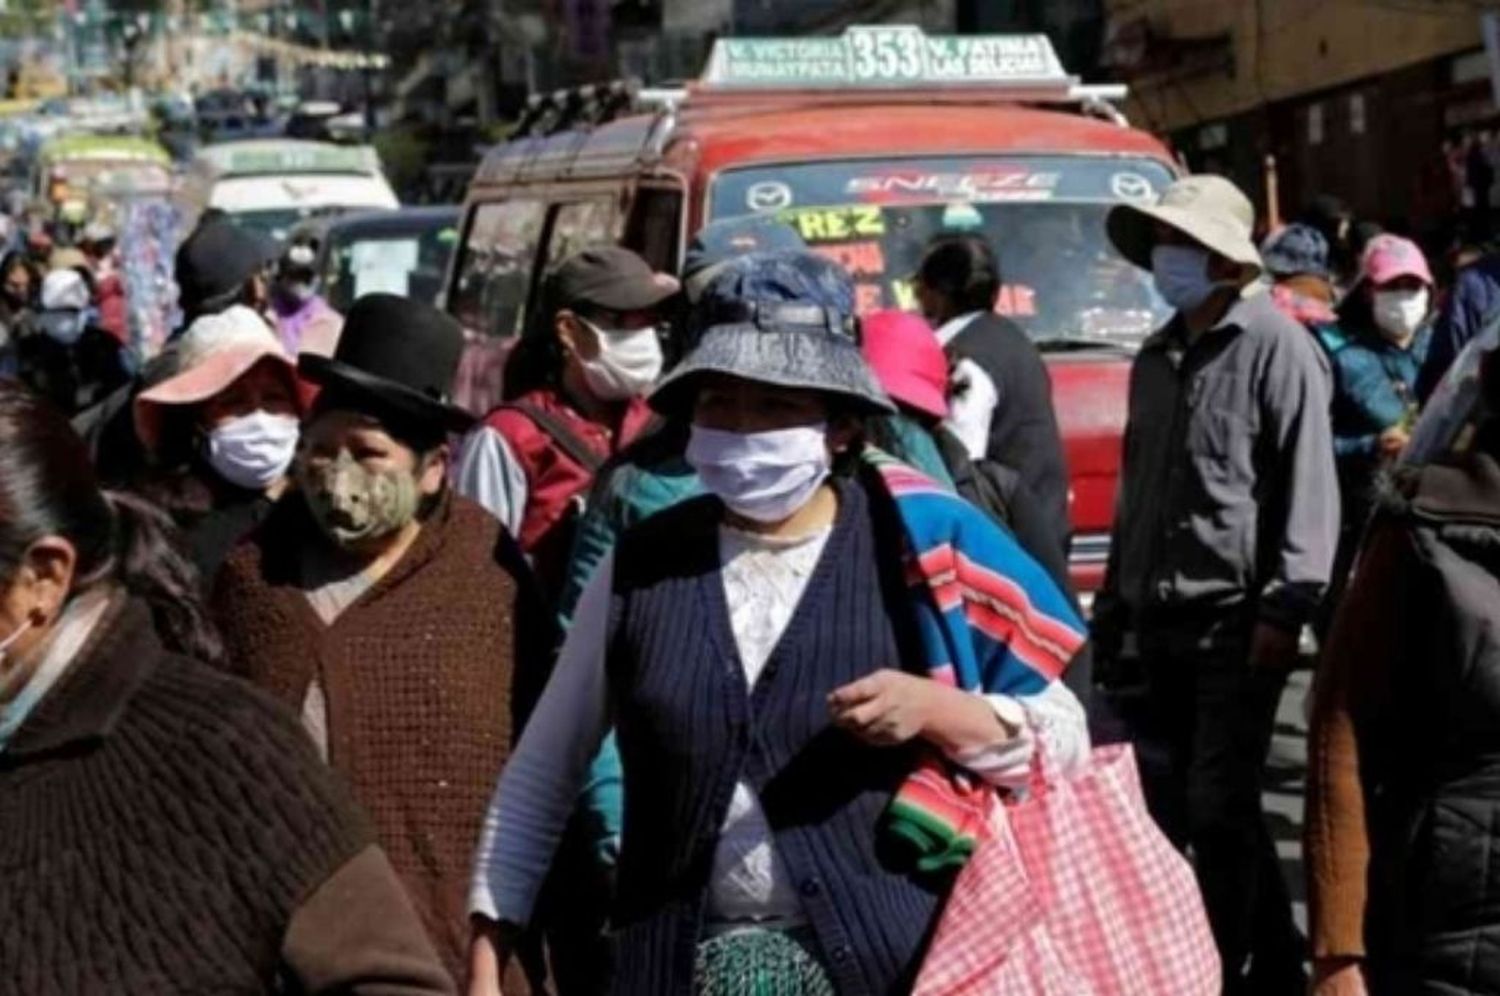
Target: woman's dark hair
point(535, 362)
point(1327, 214)
point(17, 258)
point(183, 491)
point(842, 416)
point(962, 268)
point(1360, 234)
point(1356, 311)
point(48, 488)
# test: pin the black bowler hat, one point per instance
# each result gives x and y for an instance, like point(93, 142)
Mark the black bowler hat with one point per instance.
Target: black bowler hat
point(217, 260)
point(399, 357)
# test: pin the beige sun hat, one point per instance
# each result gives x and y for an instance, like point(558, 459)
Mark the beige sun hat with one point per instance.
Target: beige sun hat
point(1210, 210)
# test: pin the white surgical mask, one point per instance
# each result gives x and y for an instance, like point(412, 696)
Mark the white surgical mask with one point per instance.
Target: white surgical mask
point(762, 476)
point(627, 365)
point(1181, 276)
point(253, 451)
point(1399, 313)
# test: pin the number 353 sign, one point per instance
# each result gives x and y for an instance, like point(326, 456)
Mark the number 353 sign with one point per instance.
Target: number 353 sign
point(883, 56)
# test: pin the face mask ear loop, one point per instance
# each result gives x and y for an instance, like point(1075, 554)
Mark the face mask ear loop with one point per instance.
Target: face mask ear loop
point(10, 641)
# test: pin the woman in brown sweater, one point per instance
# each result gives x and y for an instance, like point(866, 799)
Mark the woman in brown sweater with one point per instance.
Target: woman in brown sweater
point(163, 828)
point(395, 616)
point(1403, 797)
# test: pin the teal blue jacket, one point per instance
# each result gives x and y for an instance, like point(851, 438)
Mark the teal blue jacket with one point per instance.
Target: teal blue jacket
point(647, 477)
point(625, 493)
point(1374, 386)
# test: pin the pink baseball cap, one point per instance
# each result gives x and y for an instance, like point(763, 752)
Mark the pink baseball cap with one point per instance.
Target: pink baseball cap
point(908, 360)
point(1390, 257)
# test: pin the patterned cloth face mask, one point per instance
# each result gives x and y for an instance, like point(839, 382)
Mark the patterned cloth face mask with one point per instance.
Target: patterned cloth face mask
point(353, 504)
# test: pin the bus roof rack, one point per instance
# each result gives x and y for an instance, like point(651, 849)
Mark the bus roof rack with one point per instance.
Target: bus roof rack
point(899, 63)
point(591, 105)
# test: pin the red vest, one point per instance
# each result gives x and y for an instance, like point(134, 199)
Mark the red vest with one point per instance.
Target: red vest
point(556, 484)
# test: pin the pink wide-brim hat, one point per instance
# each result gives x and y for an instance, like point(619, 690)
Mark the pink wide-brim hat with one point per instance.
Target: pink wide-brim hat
point(1390, 257)
point(908, 360)
point(216, 351)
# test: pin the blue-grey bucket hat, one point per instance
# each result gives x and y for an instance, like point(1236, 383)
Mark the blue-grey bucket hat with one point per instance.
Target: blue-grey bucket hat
point(779, 318)
point(1295, 250)
point(719, 243)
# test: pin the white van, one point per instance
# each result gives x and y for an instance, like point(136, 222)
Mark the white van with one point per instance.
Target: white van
point(270, 185)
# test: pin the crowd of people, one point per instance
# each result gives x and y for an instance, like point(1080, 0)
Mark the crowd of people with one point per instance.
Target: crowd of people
point(669, 674)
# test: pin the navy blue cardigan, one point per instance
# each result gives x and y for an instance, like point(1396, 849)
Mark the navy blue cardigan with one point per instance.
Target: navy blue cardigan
point(689, 728)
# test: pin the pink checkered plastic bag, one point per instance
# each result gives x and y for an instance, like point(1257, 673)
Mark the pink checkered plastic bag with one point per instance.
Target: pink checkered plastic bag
point(1075, 893)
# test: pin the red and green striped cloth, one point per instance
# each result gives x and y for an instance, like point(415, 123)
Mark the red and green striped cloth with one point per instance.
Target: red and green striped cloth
point(991, 621)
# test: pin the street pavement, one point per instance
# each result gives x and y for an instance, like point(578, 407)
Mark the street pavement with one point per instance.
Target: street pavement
point(1285, 778)
point(1283, 781)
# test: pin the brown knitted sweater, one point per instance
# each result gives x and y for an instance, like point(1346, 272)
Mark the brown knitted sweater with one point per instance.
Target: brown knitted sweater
point(418, 675)
point(165, 829)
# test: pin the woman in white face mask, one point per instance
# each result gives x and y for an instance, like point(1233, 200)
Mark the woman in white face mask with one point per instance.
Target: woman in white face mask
point(221, 432)
point(760, 659)
point(1378, 349)
point(1385, 322)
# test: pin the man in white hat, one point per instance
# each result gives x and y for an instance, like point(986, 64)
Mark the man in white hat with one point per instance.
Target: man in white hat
point(1222, 546)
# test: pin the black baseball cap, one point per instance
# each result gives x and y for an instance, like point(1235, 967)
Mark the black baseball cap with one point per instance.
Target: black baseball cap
point(608, 278)
point(217, 259)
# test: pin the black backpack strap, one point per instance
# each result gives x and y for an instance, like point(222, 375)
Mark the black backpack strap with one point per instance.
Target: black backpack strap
point(989, 485)
point(565, 438)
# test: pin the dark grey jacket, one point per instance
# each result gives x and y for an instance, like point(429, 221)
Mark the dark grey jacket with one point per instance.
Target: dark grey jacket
point(1228, 495)
point(1430, 755)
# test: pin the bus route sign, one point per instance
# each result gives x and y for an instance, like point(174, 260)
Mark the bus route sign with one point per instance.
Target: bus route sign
point(884, 56)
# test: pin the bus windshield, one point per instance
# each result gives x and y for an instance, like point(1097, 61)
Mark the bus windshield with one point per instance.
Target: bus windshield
point(1064, 283)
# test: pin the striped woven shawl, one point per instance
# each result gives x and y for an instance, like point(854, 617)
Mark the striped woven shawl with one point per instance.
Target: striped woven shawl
point(991, 621)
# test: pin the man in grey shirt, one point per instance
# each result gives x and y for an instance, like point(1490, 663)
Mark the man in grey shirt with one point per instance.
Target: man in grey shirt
point(1223, 542)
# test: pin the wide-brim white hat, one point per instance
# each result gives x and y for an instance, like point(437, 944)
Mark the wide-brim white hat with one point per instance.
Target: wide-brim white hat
point(1210, 210)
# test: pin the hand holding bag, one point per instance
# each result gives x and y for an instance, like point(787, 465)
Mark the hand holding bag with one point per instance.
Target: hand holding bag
point(1074, 891)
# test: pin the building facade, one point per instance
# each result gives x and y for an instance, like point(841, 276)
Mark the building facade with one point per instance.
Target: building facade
point(1365, 99)
point(1076, 27)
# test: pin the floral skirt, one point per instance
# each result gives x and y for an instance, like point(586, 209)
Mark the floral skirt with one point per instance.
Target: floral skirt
point(759, 962)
